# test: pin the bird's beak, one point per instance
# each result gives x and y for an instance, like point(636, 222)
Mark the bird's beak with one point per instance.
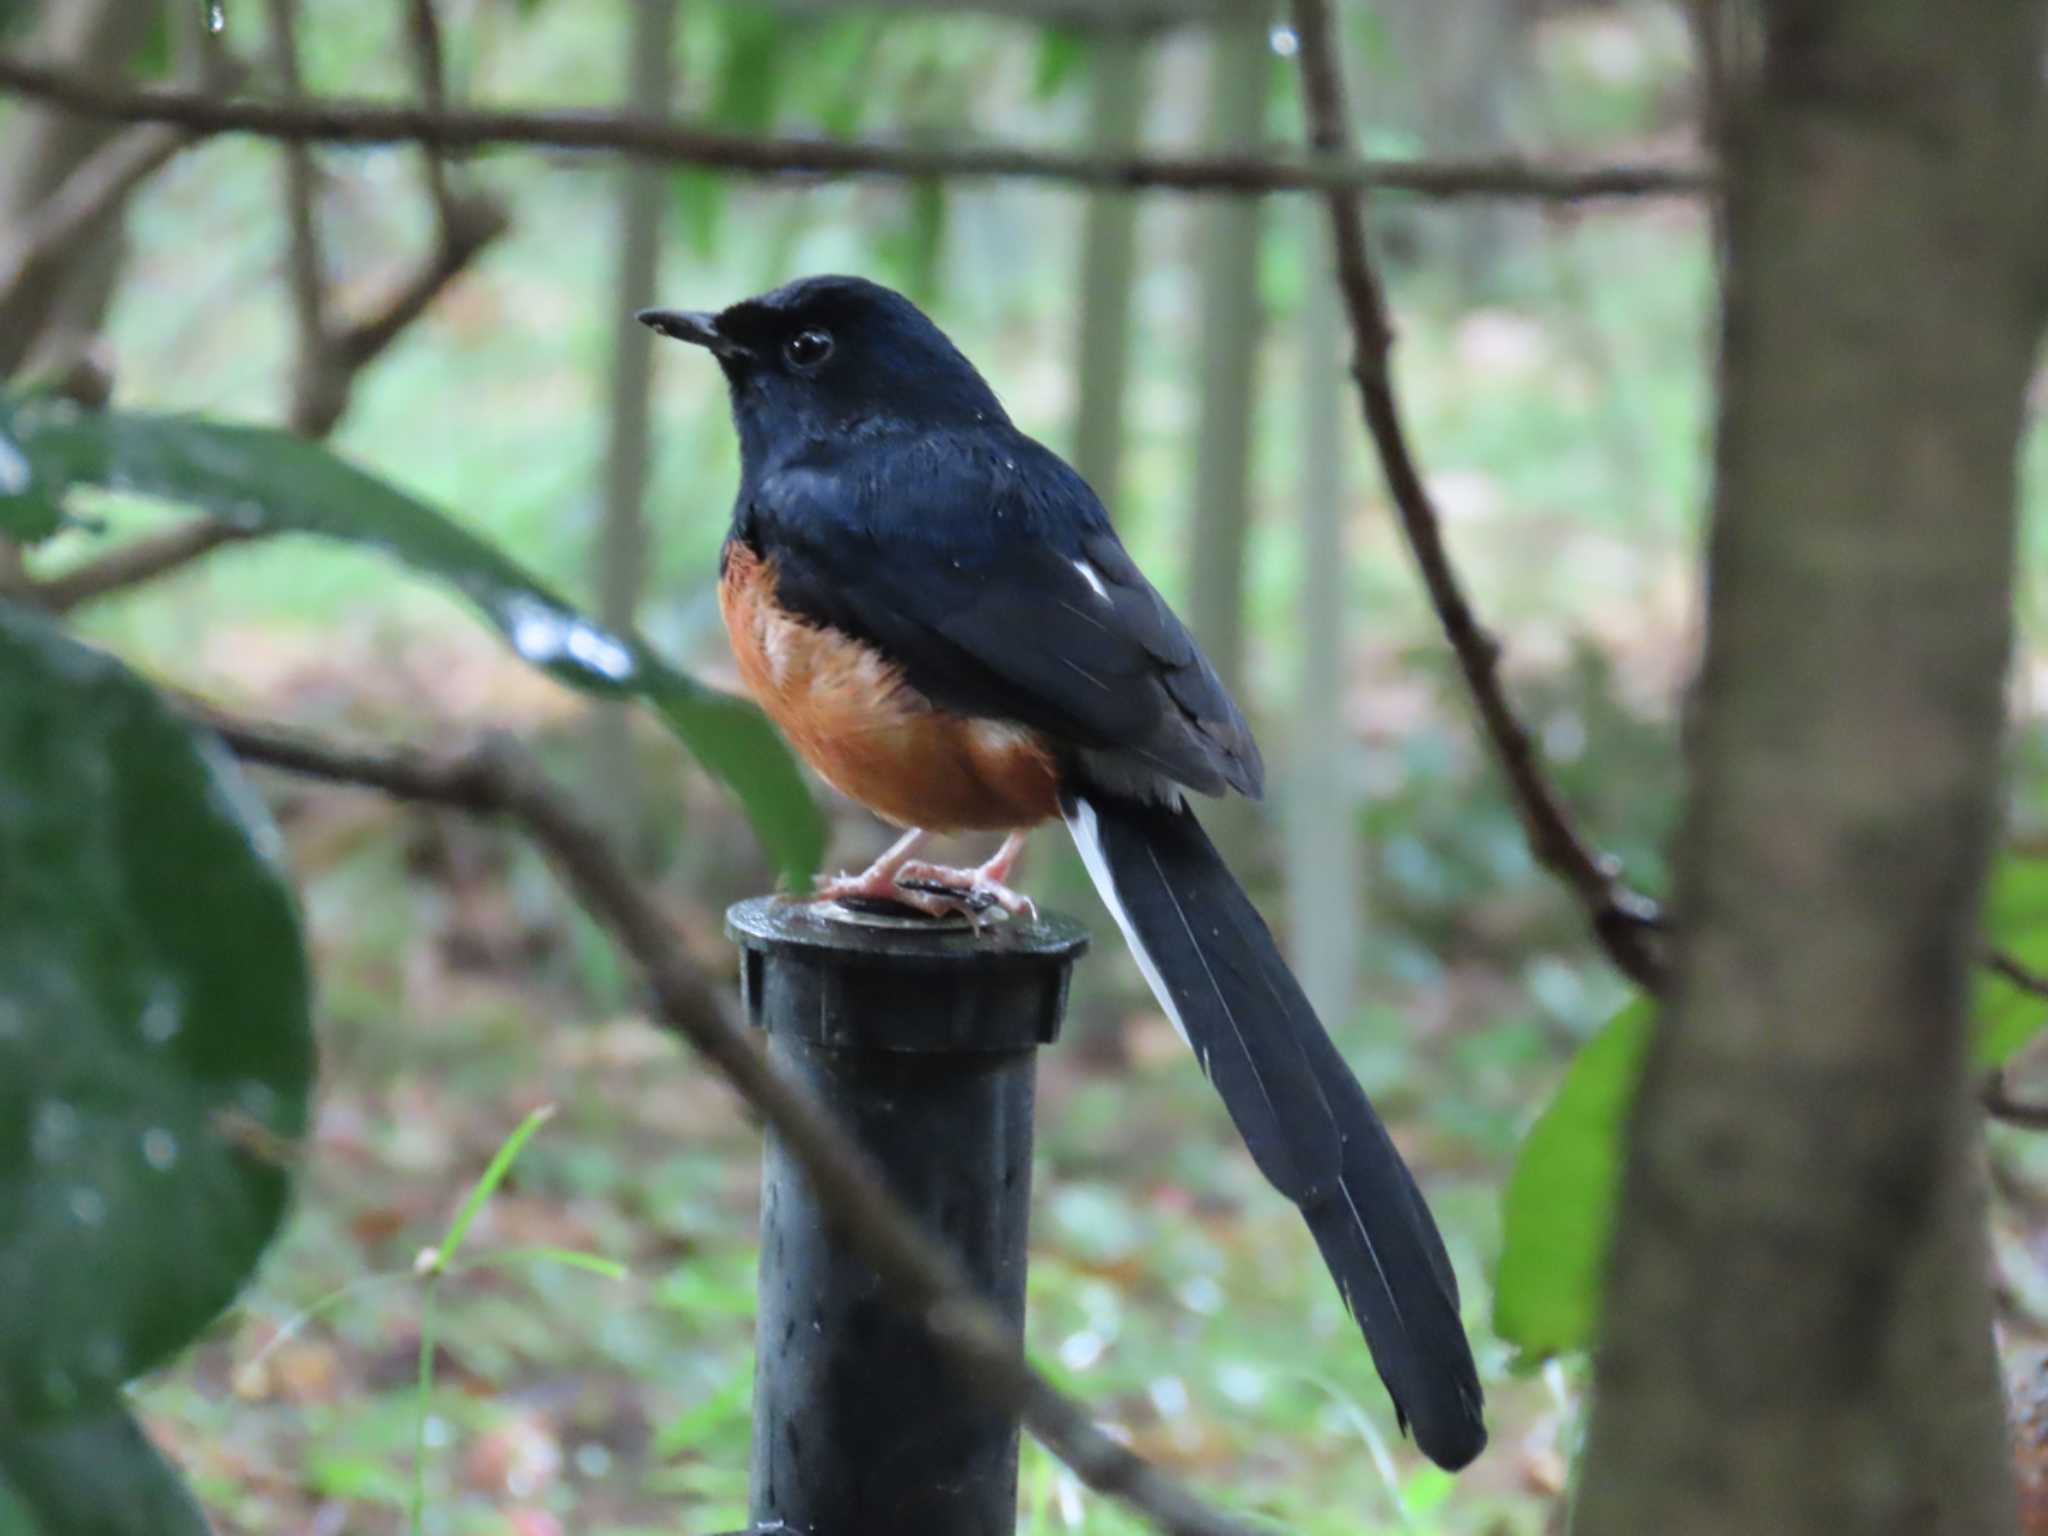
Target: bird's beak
point(695, 326)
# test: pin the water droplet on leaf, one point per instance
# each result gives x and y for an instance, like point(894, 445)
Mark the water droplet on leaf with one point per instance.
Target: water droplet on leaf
point(1284, 41)
point(547, 637)
point(88, 1205)
point(256, 1099)
point(161, 1016)
point(103, 1356)
point(56, 1131)
point(216, 17)
point(160, 1149)
point(14, 470)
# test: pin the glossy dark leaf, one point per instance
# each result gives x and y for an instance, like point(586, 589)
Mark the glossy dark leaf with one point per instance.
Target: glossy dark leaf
point(92, 1476)
point(269, 481)
point(29, 508)
point(155, 1052)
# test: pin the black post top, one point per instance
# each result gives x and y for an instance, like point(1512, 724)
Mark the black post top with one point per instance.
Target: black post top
point(860, 982)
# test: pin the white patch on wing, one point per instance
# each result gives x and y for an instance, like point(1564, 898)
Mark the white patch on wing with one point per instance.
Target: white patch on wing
point(1088, 839)
point(1093, 577)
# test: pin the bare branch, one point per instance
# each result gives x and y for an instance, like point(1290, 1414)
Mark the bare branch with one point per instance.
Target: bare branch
point(71, 213)
point(431, 75)
point(2016, 971)
point(1997, 1098)
point(1624, 922)
point(320, 384)
point(498, 780)
point(472, 223)
point(131, 564)
point(340, 121)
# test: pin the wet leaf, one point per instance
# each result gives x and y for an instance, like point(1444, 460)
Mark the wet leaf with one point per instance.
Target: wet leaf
point(267, 481)
point(1559, 1207)
point(155, 1051)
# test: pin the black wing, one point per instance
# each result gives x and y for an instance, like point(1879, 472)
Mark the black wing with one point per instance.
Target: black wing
point(986, 568)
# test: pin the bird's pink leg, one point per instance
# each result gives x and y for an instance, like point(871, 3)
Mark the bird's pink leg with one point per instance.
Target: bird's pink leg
point(878, 880)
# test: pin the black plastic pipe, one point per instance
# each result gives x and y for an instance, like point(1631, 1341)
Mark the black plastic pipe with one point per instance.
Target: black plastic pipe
point(922, 1039)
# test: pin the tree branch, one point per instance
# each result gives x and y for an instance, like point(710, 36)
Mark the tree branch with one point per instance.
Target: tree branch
point(342, 121)
point(1999, 1103)
point(99, 186)
point(131, 564)
point(319, 390)
point(430, 74)
point(498, 780)
point(1624, 922)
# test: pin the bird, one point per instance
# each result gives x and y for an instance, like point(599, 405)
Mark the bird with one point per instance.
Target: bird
point(936, 611)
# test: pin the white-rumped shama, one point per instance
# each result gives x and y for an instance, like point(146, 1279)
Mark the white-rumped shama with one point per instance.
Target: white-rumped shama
point(936, 611)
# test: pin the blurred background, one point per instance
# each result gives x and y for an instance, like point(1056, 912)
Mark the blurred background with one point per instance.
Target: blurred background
point(1555, 358)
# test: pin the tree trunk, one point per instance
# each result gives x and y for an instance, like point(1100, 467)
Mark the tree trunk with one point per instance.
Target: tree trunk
point(622, 537)
point(1798, 1331)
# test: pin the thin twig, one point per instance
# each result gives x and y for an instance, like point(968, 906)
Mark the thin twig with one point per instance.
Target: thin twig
point(344, 121)
point(2016, 971)
point(1997, 1098)
point(319, 392)
point(430, 74)
point(498, 780)
point(470, 224)
point(1624, 922)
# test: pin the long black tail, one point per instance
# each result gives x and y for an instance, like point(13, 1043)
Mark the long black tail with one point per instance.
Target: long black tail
point(1216, 971)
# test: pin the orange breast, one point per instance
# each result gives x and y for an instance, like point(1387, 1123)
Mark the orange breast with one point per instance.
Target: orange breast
point(850, 715)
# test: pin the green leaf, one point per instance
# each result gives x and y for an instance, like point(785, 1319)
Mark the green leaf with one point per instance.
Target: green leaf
point(1061, 51)
point(1559, 1207)
point(493, 1175)
point(268, 481)
point(747, 79)
point(155, 1053)
point(912, 249)
point(565, 1258)
point(96, 1476)
point(746, 90)
point(2007, 1016)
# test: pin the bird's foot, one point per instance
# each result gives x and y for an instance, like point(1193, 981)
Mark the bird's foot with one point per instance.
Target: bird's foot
point(883, 883)
point(972, 891)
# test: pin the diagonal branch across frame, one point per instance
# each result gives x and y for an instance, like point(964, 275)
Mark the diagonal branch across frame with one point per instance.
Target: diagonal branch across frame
point(497, 779)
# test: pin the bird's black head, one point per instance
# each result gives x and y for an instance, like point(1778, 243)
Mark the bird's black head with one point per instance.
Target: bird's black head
point(823, 357)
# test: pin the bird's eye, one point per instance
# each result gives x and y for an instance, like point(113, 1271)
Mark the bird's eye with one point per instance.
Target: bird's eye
point(807, 349)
